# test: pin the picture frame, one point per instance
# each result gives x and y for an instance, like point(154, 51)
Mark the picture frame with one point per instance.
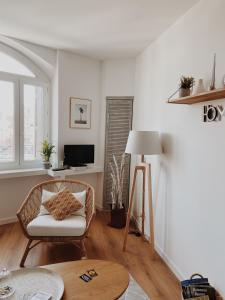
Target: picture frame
point(80, 113)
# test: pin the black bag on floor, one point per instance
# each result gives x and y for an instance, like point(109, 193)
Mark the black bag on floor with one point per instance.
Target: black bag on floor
point(197, 287)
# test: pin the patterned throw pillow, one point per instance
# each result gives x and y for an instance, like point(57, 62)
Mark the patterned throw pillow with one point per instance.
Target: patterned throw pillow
point(46, 195)
point(62, 205)
point(80, 196)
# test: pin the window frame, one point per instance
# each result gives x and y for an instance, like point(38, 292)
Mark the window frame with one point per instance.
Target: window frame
point(13, 164)
point(19, 81)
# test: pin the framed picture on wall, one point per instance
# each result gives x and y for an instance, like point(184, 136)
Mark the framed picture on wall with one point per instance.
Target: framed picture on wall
point(80, 113)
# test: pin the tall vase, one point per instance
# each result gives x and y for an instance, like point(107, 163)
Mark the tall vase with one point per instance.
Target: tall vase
point(213, 80)
point(118, 217)
point(200, 87)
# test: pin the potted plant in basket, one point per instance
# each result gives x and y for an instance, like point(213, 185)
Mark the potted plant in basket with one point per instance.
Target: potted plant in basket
point(118, 212)
point(46, 152)
point(186, 85)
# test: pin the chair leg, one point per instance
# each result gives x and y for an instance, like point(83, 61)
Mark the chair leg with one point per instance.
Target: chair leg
point(83, 248)
point(25, 254)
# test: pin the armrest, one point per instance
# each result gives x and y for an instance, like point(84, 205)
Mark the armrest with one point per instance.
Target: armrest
point(30, 207)
point(90, 206)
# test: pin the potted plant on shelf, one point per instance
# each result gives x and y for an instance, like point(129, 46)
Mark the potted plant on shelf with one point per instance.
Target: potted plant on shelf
point(118, 212)
point(46, 152)
point(186, 85)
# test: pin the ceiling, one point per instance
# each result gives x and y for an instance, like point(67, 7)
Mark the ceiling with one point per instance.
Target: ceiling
point(96, 28)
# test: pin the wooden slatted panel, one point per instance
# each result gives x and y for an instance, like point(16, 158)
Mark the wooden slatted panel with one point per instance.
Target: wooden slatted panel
point(118, 124)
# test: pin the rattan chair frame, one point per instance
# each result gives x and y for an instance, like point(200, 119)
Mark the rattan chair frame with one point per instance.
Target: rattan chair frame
point(30, 209)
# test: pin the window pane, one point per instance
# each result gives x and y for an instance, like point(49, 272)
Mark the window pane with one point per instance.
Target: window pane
point(7, 134)
point(11, 65)
point(33, 121)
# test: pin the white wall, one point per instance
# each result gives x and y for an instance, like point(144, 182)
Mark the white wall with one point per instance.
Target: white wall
point(13, 192)
point(82, 77)
point(188, 179)
point(118, 77)
point(78, 77)
point(117, 80)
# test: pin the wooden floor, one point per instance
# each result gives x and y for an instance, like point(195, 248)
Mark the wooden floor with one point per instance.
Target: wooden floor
point(104, 242)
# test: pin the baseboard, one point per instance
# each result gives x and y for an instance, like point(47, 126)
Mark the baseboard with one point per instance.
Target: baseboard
point(8, 220)
point(172, 266)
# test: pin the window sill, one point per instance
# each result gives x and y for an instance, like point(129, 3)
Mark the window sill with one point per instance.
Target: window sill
point(22, 173)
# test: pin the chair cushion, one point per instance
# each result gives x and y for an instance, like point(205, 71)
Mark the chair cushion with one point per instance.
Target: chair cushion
point(46, 225)
point(81, 196)
point(45, 196)
point(62, 205)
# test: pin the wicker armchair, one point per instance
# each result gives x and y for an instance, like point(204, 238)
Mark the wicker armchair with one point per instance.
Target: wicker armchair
point(30, 209)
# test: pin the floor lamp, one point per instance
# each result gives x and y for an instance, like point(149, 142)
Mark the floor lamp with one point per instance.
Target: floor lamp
point(143, 143)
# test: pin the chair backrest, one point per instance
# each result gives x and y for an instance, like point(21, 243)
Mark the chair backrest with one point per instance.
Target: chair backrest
point(56, 185)
point(31, 206)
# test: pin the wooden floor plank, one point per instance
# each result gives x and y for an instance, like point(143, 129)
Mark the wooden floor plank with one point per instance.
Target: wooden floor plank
point(103, 242)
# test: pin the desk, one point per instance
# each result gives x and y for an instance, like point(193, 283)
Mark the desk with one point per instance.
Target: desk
point(68, 172)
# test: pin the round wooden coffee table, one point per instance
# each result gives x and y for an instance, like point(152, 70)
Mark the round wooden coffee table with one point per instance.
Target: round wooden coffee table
point(110, 283)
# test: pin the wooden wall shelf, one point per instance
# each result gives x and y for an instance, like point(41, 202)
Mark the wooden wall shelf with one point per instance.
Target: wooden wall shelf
point(206, 96)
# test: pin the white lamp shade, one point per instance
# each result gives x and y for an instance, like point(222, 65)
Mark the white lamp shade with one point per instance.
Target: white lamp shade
point(144, 143)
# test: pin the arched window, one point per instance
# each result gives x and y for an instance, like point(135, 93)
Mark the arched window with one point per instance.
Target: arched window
point(10, 65)
point(23, 110)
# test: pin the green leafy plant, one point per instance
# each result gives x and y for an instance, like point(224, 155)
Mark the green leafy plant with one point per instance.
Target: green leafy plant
point(47, 150)
point(186, 82)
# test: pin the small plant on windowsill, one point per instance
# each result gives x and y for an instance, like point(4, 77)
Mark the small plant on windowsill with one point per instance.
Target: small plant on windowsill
point(47, 150)
point(186, 85)
point(118, 212)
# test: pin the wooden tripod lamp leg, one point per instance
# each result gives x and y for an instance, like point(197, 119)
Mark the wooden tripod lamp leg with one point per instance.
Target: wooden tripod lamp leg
point(143, 205)
point(130, 209)
point(151, 216)
point(146, 169)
